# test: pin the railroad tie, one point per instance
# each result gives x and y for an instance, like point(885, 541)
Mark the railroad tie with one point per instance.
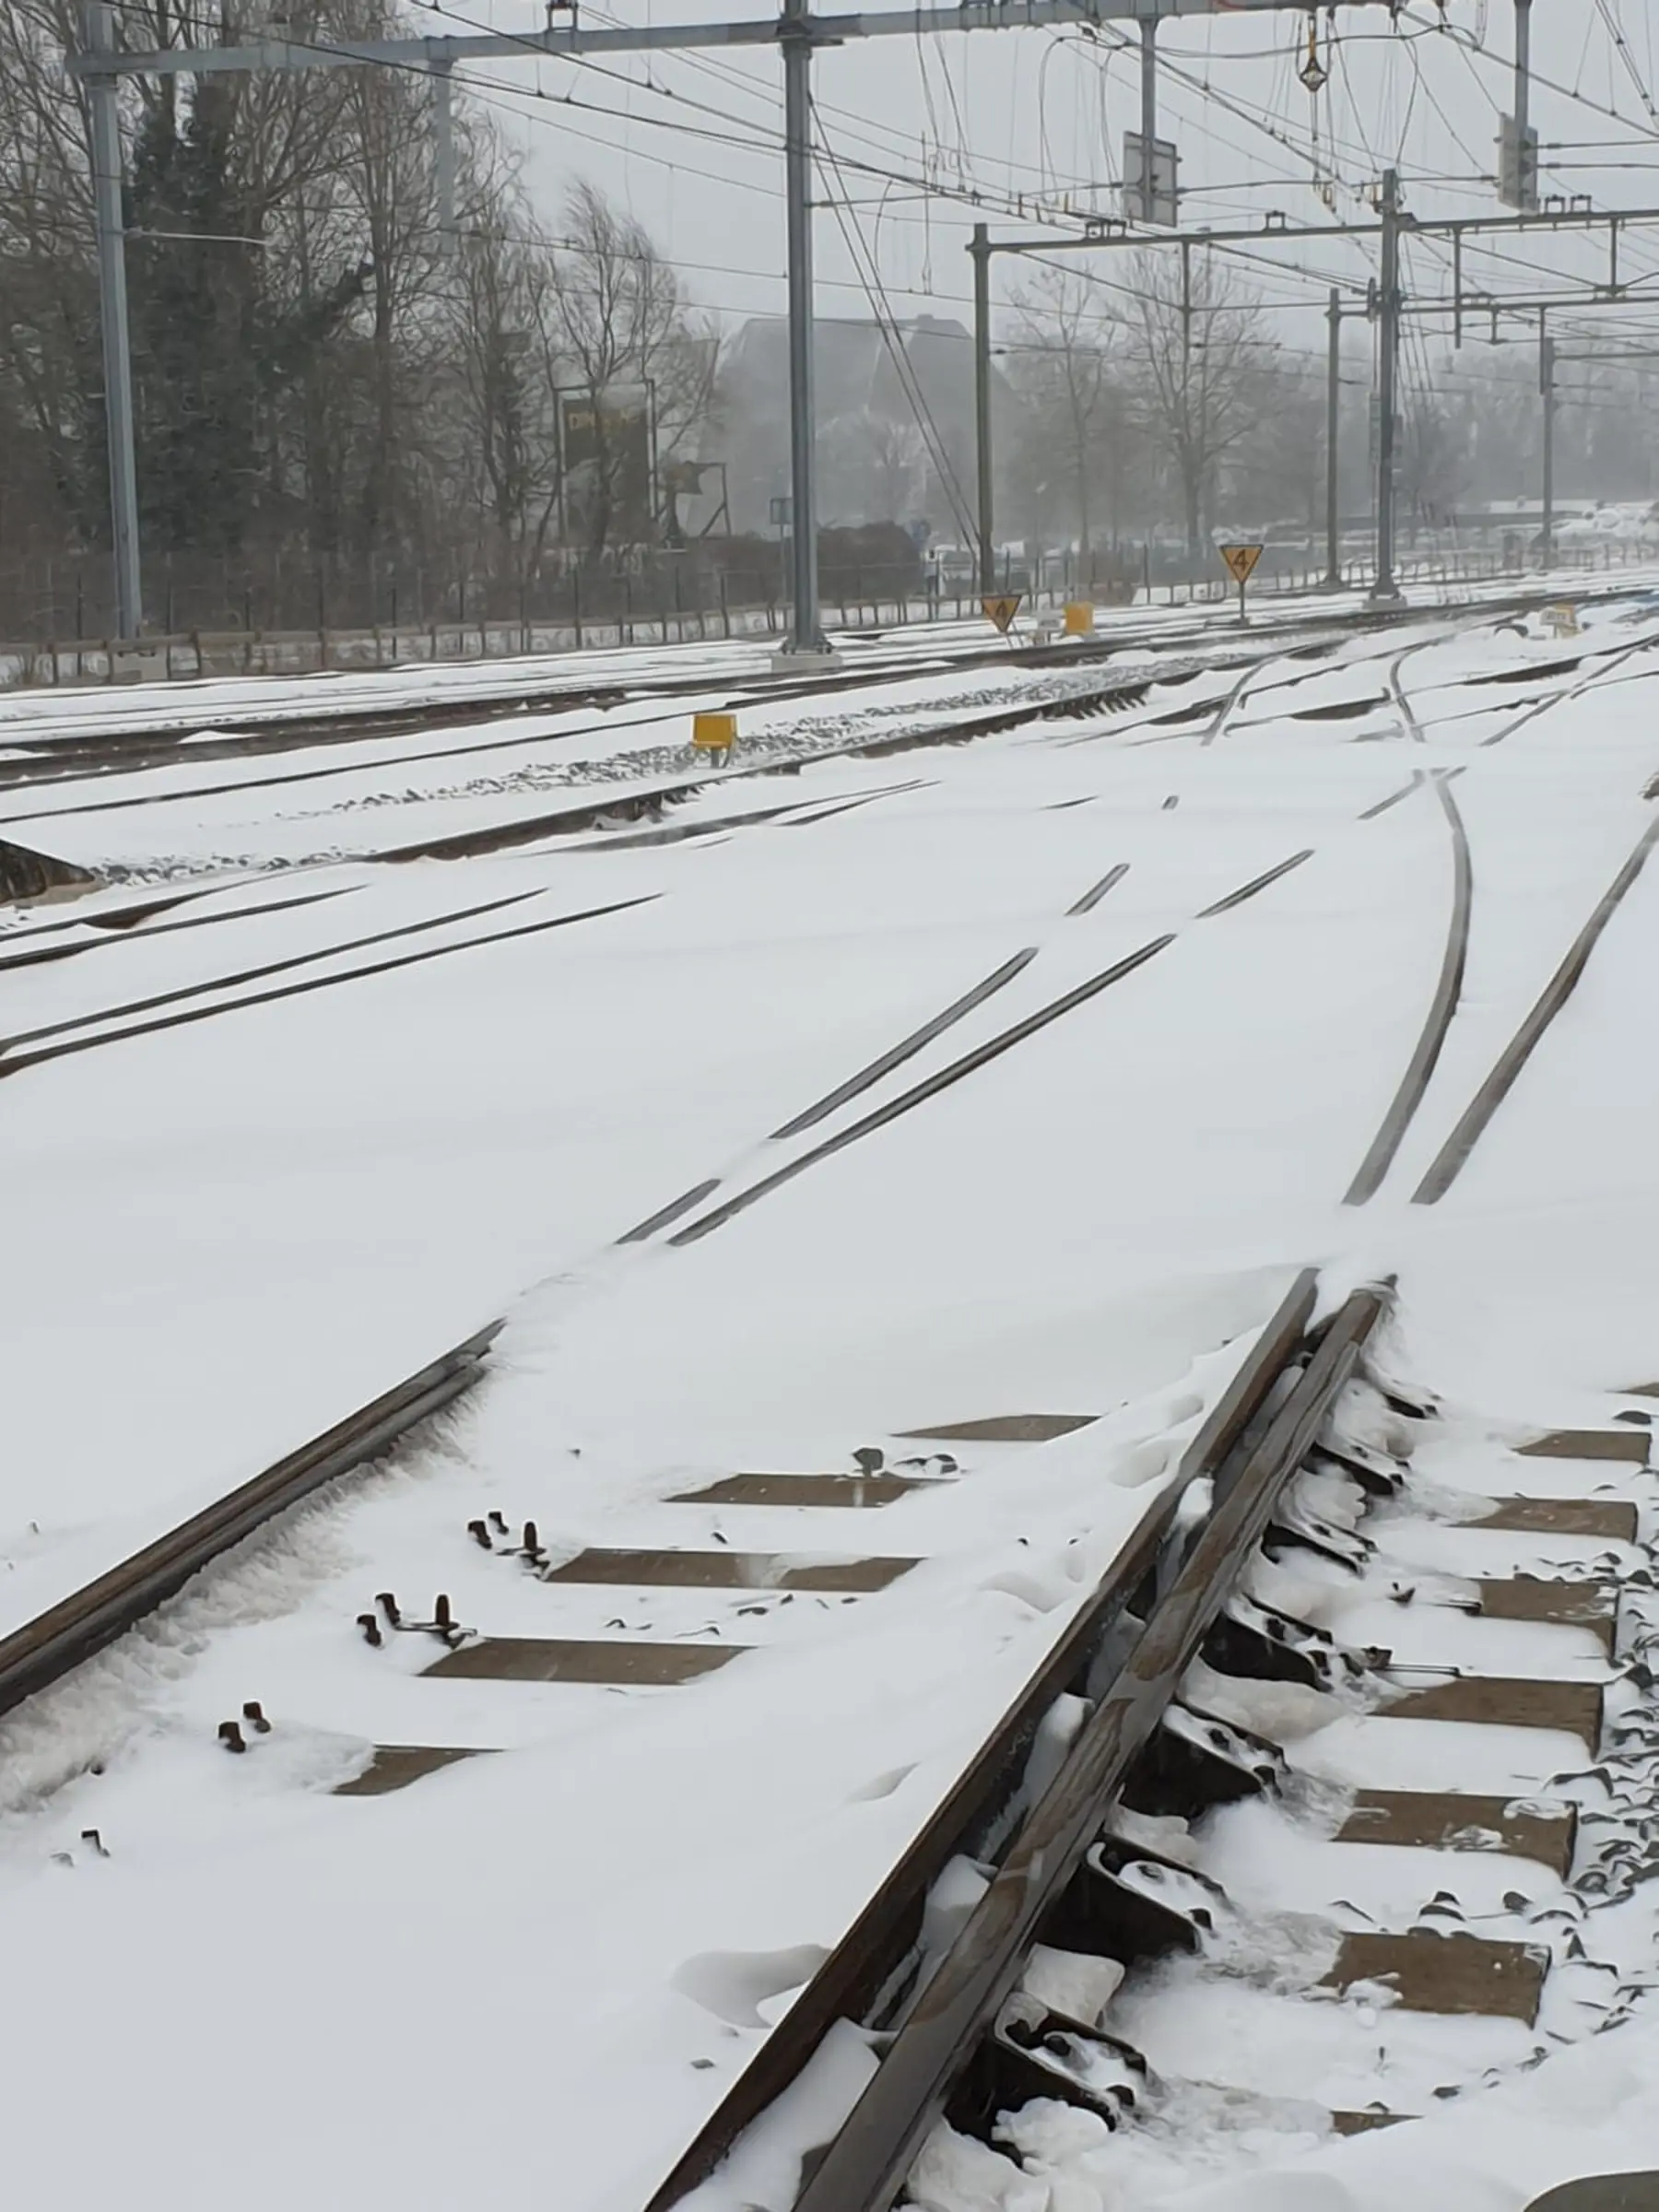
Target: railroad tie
point(1005, 1428)
point(813, 1491)
point(395, 1766)
point(1139, 1905)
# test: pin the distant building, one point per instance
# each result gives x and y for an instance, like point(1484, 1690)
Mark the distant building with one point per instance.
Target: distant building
point(875, 465)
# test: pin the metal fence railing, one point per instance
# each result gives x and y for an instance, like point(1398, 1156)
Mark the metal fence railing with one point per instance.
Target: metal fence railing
point(200, 653)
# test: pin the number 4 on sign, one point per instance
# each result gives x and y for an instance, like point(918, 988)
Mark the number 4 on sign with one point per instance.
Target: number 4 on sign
point(1241, 564)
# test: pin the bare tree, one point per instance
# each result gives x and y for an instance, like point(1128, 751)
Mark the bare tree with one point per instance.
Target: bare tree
point(1278, 473)
point(876, 464)
point(1073, 406)
point(327, 390)
point(618, 319)
point(1191, 337)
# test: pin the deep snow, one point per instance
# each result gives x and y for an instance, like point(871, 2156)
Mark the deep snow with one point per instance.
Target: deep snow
point(533, 1973)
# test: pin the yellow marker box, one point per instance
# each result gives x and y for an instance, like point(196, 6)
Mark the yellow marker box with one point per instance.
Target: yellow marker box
point(1079, 618)
point(714, 733)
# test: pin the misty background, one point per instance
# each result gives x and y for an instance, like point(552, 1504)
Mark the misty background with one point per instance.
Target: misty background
point(346, 415)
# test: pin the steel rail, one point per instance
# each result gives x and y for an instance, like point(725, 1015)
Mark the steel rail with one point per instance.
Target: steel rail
point(865, 2166)
point(1442, 1010)
point(1414, 728)
point(968, 1064)
point(67, 1635)
point(875, 1949)
point(231, 734)
point(35, 955)
point(55, 759)
point(1448, 1162)
point(89, 1035)
point(1613, 657)
point(1448, 992)
point(11, 1039)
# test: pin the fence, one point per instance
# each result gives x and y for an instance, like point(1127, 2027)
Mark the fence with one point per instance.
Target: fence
point(289, 653)
point(625, 616)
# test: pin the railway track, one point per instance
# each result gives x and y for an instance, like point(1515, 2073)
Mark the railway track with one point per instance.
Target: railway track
point(950, 2038)
point(227, 991)
point(1448, 988)
point(233, 736)
point(626, 789)
point(653, 780)
point(1305, 1456)
point(1104, 1912)
point(226, 735)
point(633, 788)
point(43, 1651)
point(972, 2032)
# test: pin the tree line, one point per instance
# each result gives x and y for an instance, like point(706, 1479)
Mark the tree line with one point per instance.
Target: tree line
point(330, 382)
point(1159, 407)
point(348, 407)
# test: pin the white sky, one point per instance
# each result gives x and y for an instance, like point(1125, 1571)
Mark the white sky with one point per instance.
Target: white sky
point(691, 143)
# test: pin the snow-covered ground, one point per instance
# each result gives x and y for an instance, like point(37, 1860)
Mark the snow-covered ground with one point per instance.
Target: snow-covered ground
point(28, 716)
point(531, 1974)
point(341, 800)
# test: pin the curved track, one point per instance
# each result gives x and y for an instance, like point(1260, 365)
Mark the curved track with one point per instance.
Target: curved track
point(945, 2042)
point(1453, 1156)
point(1448, 989)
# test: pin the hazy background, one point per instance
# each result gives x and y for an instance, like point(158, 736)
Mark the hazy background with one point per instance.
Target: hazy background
point(566, 399)
point(690, 144)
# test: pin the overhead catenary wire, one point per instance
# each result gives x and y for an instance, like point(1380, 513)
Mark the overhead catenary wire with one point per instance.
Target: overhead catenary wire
point(750, 136)
point(904, 367)
point(760, 141)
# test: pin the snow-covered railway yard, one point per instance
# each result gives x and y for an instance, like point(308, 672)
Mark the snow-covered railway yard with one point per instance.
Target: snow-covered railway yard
point(884, 1174)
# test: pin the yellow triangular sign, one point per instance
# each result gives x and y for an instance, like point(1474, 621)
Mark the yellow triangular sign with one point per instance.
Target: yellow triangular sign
point(1241, 560)
point(1002, 609)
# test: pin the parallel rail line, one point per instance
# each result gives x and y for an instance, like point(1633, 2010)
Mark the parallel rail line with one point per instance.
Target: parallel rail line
point(865, 2164)
point(229, 737)
point(52, 1645)
point(939, 2026)
point(978, 1813)
point(1453, 1156)
point(224, 735)
point(64, 1039)
point(87, 1032)
point(1124, 1652)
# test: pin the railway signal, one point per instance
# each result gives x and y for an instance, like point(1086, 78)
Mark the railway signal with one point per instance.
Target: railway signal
point(1241, 562)
point(714, 733)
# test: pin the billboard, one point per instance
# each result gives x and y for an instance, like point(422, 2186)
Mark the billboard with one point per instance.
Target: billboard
point(607, 448)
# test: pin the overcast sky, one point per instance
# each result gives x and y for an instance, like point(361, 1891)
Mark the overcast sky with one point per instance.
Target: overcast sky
point(689, 143)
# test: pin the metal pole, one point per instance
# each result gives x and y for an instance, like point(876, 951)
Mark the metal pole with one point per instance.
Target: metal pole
point(443, 150)
point(1333, 421)
point(980, 251)
point(1385, 589)
point(1148, 89)
point(98, 30)
point(1523, 82)
point(1546, 384)
point(806, 636)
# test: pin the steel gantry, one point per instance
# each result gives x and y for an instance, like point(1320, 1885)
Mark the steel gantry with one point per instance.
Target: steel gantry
point(796, 32)
point(1385, 301)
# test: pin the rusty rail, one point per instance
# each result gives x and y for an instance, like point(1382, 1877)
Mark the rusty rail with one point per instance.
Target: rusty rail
point(64, 1638)
point(864, 2167)
point(1248, 1446)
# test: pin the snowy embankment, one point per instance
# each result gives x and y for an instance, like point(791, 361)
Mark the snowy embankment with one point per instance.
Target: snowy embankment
point(541, 1968)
